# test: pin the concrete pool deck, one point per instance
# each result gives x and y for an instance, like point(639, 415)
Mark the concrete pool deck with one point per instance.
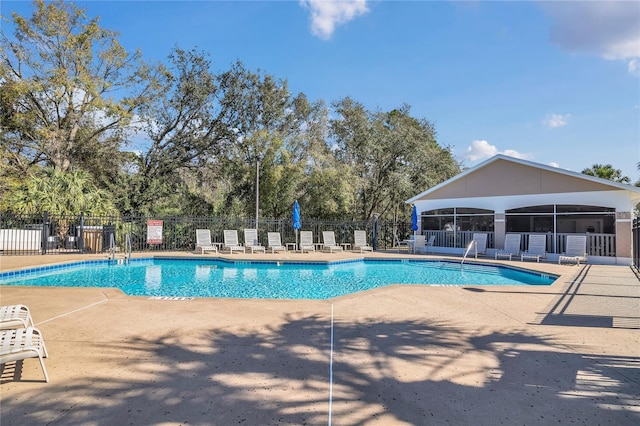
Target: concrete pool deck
point(399, 355)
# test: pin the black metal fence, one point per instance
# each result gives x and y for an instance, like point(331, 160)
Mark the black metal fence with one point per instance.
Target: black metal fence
point(50, 234)
point(636, 242)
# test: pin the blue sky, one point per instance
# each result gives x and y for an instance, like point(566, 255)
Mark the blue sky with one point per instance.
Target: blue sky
point(552, 82)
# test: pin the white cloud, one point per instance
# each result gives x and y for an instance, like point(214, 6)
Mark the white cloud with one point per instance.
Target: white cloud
point(326, 14)
point(481, 149)
point(609, 29)
point(556, 120)
point(516, 154)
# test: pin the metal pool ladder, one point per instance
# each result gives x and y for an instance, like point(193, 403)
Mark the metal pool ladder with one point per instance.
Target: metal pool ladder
point(124, 258)
point(472, 244)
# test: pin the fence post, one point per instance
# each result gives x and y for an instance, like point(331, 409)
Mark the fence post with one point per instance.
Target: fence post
point(45, 233)
point(634, 243)
point(375, 231)
point(81, 234)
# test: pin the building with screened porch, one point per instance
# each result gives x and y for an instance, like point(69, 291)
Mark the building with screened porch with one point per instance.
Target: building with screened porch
point(508, 195)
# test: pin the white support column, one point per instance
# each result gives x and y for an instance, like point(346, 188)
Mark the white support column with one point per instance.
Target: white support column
point(499, 229)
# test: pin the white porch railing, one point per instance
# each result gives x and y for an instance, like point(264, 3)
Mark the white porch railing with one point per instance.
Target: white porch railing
point(597, 244)
point(457, 239)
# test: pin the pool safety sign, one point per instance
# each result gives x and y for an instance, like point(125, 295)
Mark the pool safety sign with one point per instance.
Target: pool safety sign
point(154, 232)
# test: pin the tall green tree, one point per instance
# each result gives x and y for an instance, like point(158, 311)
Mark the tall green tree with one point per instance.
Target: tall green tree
point(258, 109)
point(278, 180)
point(389, 156)
point(184, 127)
point(606, 171)
point(68, 88)
point(324, 190)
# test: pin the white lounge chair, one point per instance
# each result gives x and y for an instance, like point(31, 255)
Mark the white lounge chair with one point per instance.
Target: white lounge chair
point(428, 246)
point(22, 343)
point(275, 242)
point(15, 316)
point(537, 248)
point(329, 242)
point(360, 241)
point(511, 246)
point(203, 241)
point(251, 241)
point(417, 243)
point(404, 243)
point(479, 243)
point(576, 250)
point(231, 241)
point(306, 241)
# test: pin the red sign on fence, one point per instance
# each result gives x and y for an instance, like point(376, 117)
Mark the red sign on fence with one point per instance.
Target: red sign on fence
point(154, 232)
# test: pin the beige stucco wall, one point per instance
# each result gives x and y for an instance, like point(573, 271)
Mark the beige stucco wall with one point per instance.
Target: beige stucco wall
point(624, 243)
point(504, 178)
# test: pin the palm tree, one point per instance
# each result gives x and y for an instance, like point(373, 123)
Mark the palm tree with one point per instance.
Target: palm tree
point(59, 193)
point(62, 194)
point(606, 171)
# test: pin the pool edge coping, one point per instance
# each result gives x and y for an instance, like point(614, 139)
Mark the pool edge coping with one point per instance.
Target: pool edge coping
point(75, 263)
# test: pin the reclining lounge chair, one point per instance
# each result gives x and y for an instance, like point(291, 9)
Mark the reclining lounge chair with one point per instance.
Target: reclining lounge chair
point(480, 243)
point(15, 316)
point(251, 241)
point(275, 242)
point(360, 241)
point(418, 243)
point(22, 343)
point(537, 248)
point(428, 246)
point(203, 241)
point(576, 250)
point(329, 242)
point(306, 241)
point(511, 246)
point(231, 241)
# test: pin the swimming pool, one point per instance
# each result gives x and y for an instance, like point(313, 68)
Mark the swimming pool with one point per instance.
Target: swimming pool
point(170, 277)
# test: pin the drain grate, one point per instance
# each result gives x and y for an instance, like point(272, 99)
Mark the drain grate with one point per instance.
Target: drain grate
point(170, 298)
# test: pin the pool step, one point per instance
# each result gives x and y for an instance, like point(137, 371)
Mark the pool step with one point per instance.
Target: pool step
point(120, 258)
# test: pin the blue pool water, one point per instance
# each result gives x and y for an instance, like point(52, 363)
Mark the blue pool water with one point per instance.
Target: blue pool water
point(272, 280)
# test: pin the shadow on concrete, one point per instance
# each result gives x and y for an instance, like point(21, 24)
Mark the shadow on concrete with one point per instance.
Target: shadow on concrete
point(384, 372)
point(574, 307)
point(566, 309)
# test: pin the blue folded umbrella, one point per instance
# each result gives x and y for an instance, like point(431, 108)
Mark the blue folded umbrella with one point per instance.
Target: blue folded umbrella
point(414, 219)
point(296, 216)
